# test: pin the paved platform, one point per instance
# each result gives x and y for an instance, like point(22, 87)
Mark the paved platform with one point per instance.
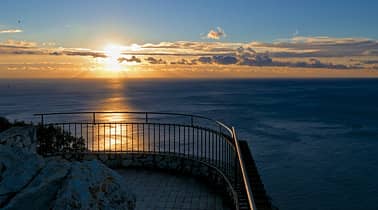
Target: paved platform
point(161, 190)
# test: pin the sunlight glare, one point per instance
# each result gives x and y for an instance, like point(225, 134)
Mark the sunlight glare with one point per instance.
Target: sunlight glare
point(113, 52)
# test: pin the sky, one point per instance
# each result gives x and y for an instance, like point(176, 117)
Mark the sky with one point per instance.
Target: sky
point(230, 35)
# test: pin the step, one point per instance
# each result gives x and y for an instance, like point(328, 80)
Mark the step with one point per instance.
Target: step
point(260, 197)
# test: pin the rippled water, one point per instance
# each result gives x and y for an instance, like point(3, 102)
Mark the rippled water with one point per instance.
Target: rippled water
point(315, 141)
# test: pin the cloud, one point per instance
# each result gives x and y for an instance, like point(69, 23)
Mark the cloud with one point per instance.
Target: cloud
point(93, 54)
point(325, 40)
point(184, 62)
point(18, 44)
point(218, 59)
point(216, 34)
point(49, 44)
point(305, 52)
point(132, 59)
point(75, 52)
point(225, 60)
point(284, 48)
point(249, 57)
point(298, 47)
point(186, 48)
point(315, 63)
point(152, 60)
point(372, 52)
point(10, 31)
point(206, 60)
point(31, 48)
point(19, 47)
point(241, 56)
point(319, 47)
point(56, 53)
point(370, 62)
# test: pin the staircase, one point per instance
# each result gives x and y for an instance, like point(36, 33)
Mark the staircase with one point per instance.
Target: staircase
point(260, 197)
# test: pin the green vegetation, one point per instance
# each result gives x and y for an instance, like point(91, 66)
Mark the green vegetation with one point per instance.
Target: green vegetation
point(51, 140)
point(54, 140)
point(5, 124)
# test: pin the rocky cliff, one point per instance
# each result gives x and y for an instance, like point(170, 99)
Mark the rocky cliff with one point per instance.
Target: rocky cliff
point(29, 181)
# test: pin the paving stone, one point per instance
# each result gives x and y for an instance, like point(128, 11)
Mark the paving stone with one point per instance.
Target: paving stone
point(160, 190)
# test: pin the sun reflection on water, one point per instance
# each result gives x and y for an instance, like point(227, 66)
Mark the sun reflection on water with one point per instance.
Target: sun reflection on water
point(114, 137)
point(112, 131)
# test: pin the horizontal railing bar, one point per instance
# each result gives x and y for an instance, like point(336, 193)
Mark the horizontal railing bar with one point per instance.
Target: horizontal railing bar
point(144, 113)
point(124, 112)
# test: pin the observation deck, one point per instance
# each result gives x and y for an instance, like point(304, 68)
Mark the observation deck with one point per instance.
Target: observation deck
point(189, 144)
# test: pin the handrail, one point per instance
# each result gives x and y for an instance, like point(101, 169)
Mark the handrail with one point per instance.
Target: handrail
point(125, 112)
point(134, 112)
point(244, 173)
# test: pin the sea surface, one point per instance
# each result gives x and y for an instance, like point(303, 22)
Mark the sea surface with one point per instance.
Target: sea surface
point(315, 141)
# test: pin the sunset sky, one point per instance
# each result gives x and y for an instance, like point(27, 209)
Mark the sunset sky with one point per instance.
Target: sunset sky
point(188, 38)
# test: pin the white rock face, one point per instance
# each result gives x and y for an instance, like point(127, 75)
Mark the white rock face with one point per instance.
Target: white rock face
point(91, 185)
point(28, 181)
point(41, 192)
point(19, 167)
point(24, 137)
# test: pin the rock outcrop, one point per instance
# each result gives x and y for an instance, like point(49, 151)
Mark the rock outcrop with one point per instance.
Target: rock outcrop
point(18, 168)
point(22, 137)
point(41, 191)
point(29, 181)
point(91, 185)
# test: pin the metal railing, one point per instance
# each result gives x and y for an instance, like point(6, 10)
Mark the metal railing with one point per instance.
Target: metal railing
point(186, 135)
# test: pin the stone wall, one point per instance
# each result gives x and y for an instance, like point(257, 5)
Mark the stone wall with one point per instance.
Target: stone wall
point(168, 162)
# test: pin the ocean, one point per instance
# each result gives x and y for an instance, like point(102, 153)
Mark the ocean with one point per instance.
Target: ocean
point(315, 141)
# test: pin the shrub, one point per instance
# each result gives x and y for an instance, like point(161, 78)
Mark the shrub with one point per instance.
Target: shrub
point(4, 124)
point(53, 140)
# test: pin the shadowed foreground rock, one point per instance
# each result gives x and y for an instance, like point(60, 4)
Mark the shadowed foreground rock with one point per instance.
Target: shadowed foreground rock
point(28, 181)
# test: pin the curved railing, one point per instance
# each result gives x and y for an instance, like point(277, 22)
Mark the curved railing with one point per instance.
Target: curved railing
point(195, 137)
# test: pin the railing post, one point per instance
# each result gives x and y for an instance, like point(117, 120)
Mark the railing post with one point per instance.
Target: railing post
point(146, 117)
point(191, 119)
point(94, 117)
point(236, 168)
point(43, 146)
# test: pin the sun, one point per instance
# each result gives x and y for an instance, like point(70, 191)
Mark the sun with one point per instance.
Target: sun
point(113, 52)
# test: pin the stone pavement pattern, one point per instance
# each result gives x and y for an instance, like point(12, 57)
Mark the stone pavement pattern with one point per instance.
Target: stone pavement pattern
point(161, 190)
